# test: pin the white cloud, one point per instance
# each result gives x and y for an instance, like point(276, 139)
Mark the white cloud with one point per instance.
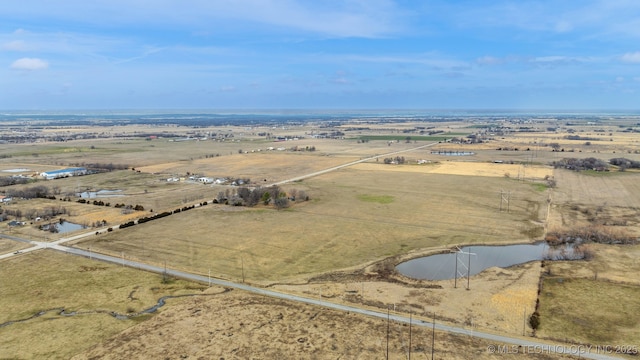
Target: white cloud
point(489, 60)
point(633, 57)
point(228, 88)
point(29, 64)
point(16, 45)
point(563, 26)
point(351, 18)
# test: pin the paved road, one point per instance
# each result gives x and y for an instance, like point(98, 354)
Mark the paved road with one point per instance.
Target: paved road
point(297, 178)
point(527, 345)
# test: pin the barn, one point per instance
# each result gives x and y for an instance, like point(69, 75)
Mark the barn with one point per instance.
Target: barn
point(55, 174)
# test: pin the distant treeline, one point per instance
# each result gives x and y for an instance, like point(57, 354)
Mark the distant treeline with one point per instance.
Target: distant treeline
point(591, 163)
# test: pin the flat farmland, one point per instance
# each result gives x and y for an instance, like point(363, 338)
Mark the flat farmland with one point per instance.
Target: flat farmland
point(593, 302)
point(341, 245)
point(261, 168)
point(354, 217)
point(48, 281)
point(582, 198)
point(236, 325)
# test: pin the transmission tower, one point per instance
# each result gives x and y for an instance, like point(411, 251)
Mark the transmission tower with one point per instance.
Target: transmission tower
point(505, 196)
point(460, 273)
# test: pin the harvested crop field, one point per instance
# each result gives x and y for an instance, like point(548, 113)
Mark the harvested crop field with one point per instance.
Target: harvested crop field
point(469, 168)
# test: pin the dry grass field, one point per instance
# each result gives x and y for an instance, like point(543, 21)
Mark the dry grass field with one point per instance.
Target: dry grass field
point(596, 199)
point(341, 245)
point(235, 325)
point(47, 280)
point(422, 211)
point(594, 301)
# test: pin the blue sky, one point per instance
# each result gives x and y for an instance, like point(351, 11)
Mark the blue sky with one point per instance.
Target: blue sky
point(333, 54)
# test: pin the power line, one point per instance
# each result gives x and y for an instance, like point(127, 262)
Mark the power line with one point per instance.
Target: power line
point(505, 196)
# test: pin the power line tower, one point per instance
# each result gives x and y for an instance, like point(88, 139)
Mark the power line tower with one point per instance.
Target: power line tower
point(505, 196)
point(460, 273)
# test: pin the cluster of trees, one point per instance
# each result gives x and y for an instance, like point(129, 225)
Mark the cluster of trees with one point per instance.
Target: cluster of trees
point(156, 216)
point(13, 180)
point(33, 192)
point(94, 202)
point(590, 234)
point(46, 213)
point(578, 137)
point(624, 164)
point(589, 163)
point(129, 207)
point(102, 166)
point(300, 148)
point(395, 160)
point(245, 196)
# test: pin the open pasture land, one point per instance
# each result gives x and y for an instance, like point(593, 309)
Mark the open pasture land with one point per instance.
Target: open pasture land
point(583, 198)
point(355, 216)
point(48, 281)
point(8, 246)
point(495, 302)
point(594, 301)
point(236, 325)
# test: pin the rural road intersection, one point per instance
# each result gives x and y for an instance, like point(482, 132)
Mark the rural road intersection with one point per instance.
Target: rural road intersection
point(516, 344)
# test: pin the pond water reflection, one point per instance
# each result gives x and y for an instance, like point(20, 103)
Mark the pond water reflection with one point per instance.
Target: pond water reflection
point(63, 227)
point(479, 257)
point(100, 194)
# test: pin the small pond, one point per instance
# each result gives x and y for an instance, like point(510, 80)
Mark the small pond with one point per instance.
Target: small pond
point(100, 194)
point(443, 266)
point(63, 227)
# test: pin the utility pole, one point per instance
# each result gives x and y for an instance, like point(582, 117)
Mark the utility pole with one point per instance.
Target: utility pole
point(458, 273)
point(455, 276)
point(433, 335)
point(504, 198)
point(242, 264)
point(469, 272)
point(387, 332)
point(524, 321)
point(410, 318)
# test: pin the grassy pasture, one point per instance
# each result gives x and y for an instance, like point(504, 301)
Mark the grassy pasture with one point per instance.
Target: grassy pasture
point(336, 229)
point(47, 279)
point(8, 246)
point(356, 215)
point(594, 301)
point(411, 137)
point(590, 311)
point(598, 198)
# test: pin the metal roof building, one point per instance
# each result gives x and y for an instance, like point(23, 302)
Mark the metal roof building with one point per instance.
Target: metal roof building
point(55, 174)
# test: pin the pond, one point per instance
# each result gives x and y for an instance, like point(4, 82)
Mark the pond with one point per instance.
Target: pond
point(100, 194)
point(443, 266)
point(63, 227)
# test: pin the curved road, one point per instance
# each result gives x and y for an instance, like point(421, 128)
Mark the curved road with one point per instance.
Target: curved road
point(531, 346)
